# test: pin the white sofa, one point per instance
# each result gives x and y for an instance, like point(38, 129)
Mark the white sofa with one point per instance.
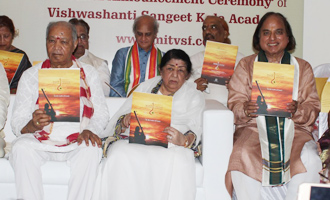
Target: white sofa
point(210, 167)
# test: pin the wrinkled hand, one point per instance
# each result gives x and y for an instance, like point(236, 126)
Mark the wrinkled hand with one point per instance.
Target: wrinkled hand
point(87, 136)
point(292, 107)
point(125, 122)
point(174, 136)
point(40, 119)
point(251, 107)
point(201, 84)
point(227, 82)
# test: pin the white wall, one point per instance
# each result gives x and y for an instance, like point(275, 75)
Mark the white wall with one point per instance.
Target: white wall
point(316, 48)
point(316, 34)
point(31, 17)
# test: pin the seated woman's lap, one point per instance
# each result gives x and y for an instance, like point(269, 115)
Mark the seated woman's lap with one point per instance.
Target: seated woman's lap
point(149, 172)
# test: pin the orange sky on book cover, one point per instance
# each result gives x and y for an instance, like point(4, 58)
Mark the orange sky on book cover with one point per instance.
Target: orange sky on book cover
point(160, 111)
point(10, 62)
point(325, 98)
point(213, 55)
point(69, 85)
point(283, 81)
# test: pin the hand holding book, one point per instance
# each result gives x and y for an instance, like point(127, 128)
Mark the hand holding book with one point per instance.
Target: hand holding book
point(292, 107)
point(175, 137)
point(125, 122)
point(201, 84)
point(38, 121)
point(251, 108)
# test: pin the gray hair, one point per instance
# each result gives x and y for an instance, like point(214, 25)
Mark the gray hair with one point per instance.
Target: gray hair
point(155, 23)
point(67, 24)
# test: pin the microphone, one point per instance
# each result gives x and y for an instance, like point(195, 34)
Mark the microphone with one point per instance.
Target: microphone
point(113, 89)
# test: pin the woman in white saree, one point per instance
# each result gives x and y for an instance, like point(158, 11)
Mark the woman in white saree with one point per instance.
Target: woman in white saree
point(135, 171)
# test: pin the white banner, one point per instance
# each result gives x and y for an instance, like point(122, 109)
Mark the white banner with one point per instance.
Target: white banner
point(180, 22)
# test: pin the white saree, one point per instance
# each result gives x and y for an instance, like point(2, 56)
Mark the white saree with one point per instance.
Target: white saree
point(140, 172)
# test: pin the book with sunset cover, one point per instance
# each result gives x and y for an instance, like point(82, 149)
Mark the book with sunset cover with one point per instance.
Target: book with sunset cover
point(272, 86)
point(59, 94)
point(10, 62)
point(324, 94)
point(150, 115)
point(219, 62)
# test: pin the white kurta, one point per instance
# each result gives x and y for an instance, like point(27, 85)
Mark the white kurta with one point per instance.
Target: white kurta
point(4, 101)
point(217, 92)
point(101, 67)
point(28, 154)
point(141, 172)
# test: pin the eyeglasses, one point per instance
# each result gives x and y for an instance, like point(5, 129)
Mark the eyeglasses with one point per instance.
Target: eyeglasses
point(82, 37)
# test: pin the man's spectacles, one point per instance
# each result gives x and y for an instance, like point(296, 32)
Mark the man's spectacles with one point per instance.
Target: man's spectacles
point(83, 37)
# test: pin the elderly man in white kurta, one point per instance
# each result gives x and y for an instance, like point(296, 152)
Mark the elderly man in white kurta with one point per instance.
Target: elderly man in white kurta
point(28, 152)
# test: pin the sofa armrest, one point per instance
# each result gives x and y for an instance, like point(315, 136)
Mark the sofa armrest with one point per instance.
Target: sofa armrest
point(217, 145)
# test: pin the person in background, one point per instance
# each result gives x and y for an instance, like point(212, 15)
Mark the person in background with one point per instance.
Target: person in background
point(324, 150)
point(84, 55)
point(4, 102)
point(250, 173)
point(214, 29)
point(7, 35)
point(40, 140)
point(138, 63)
point(155, 172)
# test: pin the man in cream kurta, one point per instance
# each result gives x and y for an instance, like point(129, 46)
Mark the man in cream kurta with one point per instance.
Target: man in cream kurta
point(84, 55)
point(28, 153)
point(246, 157)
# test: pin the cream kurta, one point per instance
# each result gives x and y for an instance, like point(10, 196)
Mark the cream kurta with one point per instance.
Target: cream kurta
point(101, 67)
point(246, 155)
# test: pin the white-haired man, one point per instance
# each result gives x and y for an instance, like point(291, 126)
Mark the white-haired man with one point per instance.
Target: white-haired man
point(135, 64)
point(29, 152)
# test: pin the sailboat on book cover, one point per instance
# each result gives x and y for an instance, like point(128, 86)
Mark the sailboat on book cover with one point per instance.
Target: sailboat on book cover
point(59, 94)
point(150, 115)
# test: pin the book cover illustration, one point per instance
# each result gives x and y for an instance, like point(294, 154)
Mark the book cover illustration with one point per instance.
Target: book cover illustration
point(325, 97)
point(10, 62)
point(35, 63)
point(150, 115)
point(272, 86)
point(320, 83)
point(59, 94)
point(219, 62)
